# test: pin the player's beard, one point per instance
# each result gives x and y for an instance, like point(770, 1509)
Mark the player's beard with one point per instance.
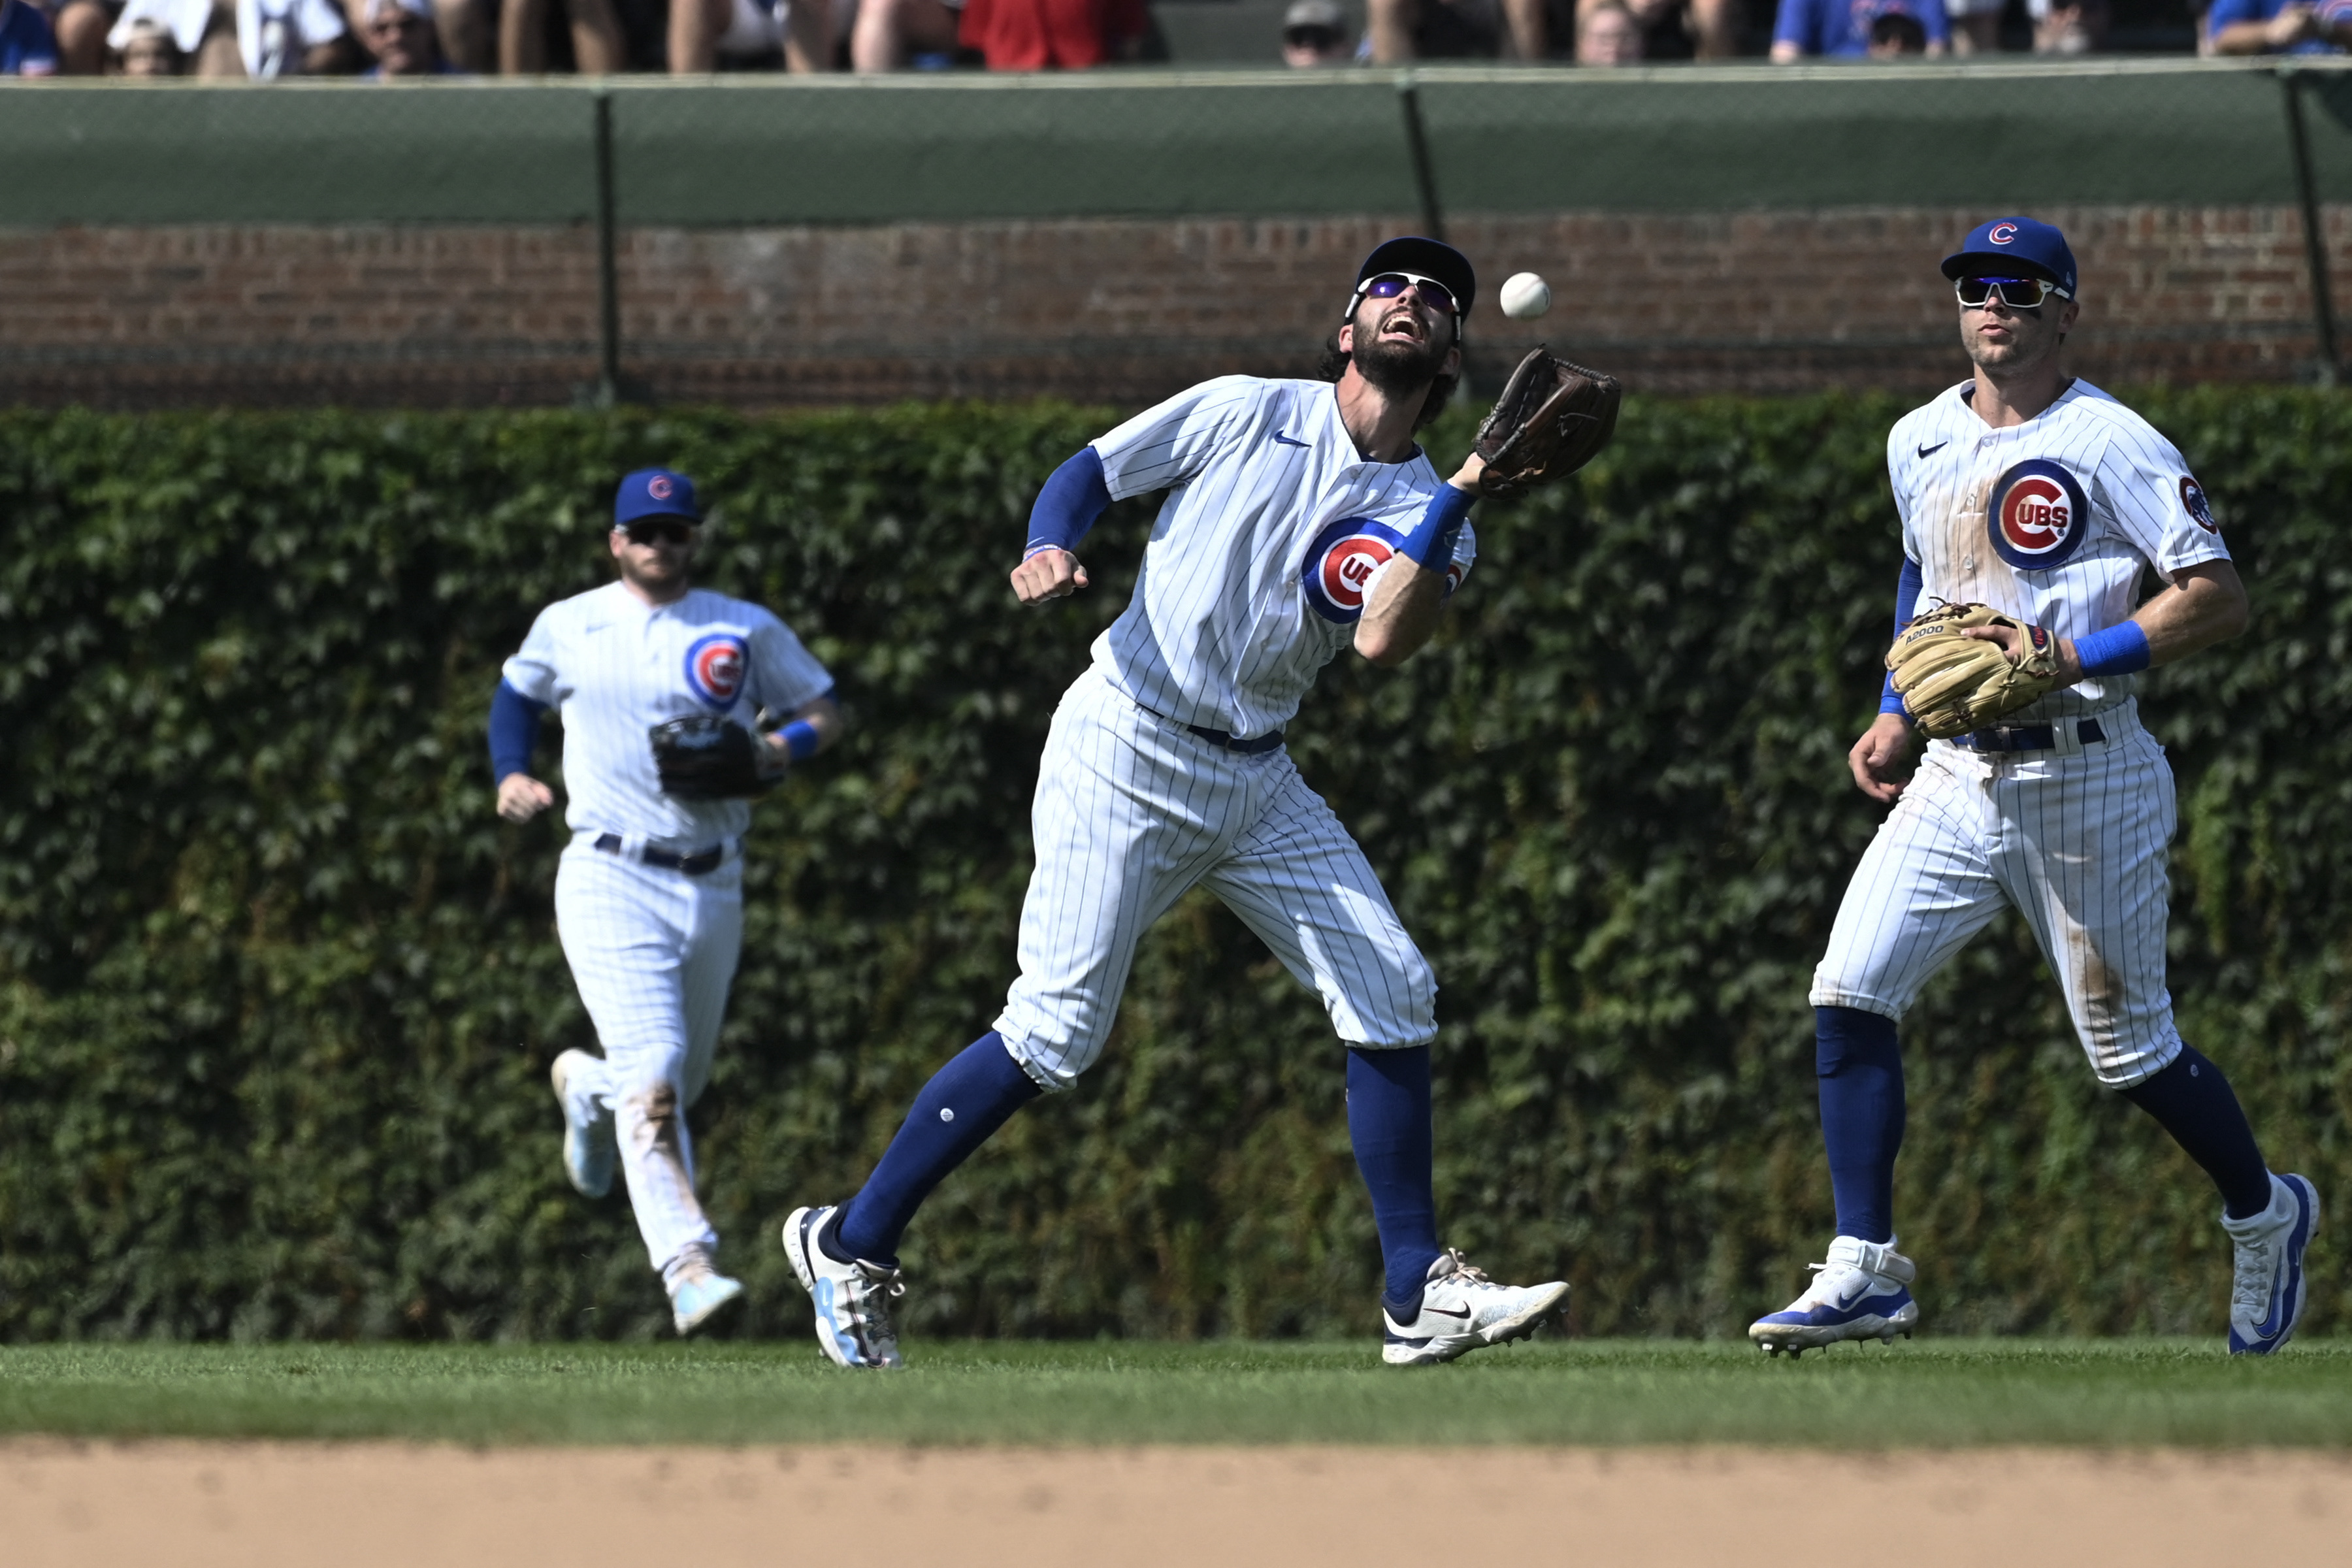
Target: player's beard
point(1400, 370)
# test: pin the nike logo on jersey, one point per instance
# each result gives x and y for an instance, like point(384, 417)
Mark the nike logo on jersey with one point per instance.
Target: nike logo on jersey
point(1931, 451)
point(1288, 440)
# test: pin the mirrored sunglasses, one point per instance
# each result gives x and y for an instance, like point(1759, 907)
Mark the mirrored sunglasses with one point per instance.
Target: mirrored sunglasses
point(1389, 285)
point(2017, 293)
point(659, 530)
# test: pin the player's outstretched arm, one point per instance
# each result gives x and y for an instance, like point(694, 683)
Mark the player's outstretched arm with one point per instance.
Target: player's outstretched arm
point(1400, 615)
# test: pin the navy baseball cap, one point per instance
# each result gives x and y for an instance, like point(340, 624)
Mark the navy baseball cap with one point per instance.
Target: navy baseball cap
point(654, 492)
point(1425, 258)
point(2007, 241)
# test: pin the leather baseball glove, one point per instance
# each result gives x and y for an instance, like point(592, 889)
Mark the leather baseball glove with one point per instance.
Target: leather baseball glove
point(704, 757)
point(1552, 418)
point(1953, 684)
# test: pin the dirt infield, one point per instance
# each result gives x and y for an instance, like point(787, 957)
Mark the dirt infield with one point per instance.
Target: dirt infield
point(254, 1505)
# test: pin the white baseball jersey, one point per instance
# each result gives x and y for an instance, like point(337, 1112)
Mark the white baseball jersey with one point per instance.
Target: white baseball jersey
point(653, 950)
point(1259, 567)
point(618, 666)
point(1265, 553)
point(2052, 521)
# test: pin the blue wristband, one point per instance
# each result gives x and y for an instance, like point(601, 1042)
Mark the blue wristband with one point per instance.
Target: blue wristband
point(2119, 650)
point(801, 740)
point(1432, 537)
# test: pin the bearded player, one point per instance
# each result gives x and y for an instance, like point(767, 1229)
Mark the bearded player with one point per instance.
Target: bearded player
point(1301, 518)
point(2037, 494)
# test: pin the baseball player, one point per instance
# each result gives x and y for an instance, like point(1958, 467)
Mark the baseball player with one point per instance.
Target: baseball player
point(1301, 518)
point(2039, 495)
point(649, 893)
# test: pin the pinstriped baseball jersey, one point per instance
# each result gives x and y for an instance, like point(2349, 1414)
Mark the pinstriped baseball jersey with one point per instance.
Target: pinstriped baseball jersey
point(1263, 554)
point(2052, 521)
point(618, 666)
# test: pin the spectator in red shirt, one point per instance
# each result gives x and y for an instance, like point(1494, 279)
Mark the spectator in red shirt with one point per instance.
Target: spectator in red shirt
point(1037, 34)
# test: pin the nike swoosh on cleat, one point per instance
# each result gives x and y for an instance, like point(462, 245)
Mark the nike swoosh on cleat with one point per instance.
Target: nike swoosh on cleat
point(1447, 1312)
point(1931, 451)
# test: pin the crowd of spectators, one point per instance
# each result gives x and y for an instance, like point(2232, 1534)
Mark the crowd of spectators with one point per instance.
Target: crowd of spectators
point(379, 39)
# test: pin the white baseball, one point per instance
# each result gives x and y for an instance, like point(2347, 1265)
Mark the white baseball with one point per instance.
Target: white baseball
point(1525, 296)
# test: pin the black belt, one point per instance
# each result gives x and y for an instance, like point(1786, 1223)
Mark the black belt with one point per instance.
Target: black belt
point(1252, 747)
point(693, 864)
point(2028, 737)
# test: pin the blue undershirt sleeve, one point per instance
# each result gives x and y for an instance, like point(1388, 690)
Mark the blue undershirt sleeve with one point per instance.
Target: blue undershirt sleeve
point(1907, 588)
point(1075, 495)
point(514, 731)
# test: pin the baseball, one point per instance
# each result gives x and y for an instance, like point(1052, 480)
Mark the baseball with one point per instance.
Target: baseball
point(1526, 296)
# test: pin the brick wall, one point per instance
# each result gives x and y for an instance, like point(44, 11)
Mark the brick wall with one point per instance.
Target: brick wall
point(1116, 310)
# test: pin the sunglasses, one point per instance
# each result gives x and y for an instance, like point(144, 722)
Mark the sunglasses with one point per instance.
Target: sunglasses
point(2017, 293)
point(669, 533)
point(1389, 285)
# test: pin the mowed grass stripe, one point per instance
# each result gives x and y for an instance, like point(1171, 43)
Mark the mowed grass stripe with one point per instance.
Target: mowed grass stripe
point(1932, 1393)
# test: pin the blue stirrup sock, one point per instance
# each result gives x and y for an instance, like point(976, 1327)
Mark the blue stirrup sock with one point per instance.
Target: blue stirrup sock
point(1860, 1069)
point(1388, 1123)
point(965, 1102)
point(2195, 1103)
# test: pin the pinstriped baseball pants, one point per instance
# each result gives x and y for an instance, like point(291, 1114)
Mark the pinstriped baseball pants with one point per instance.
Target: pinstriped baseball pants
point(653, 952)
point(1132, 811)
point(2074, 840)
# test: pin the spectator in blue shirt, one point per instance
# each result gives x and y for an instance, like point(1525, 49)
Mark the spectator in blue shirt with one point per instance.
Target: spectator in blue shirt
point(1844, 26)
point(28, 48)
point(2279, 27)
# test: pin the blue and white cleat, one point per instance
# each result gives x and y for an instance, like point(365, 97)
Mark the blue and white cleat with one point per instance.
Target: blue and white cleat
point(590, 1148)
point(2266, 1295)
point(853, 1300)
point(1863, 1292)
point(697, 1292)
point(1462, 1310)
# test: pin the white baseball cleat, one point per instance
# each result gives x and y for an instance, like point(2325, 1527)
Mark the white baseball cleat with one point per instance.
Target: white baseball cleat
point(590, 1148)
point(853, 1300)
point(698, 1291)
point(2266, 1292)
point(1863, 1292)
point(1462, 1310)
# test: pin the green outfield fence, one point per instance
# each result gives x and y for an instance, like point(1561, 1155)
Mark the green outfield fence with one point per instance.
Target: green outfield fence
point(1145, 143)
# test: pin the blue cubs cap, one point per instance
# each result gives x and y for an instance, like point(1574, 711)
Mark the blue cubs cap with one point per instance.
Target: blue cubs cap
point(654, 492)
point(2008, 241)
point(1425, 258)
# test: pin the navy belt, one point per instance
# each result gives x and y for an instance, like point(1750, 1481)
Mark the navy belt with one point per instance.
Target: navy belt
point(1254, 746)
point(693, 864)
point(2028, 737)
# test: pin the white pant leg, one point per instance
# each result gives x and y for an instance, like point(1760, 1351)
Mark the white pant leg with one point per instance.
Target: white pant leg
point(629, 933)
point(1130, 812)
point(1301, 881)
point(714, 945)
point(2084, 841)
point(1926, 886)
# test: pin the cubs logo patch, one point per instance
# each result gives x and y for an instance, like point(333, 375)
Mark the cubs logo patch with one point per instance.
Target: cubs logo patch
point(2037, 515)
point(1340, 563)
point(2002, 232)
point(659, 487)
point(2199, 509)
point(714, 668)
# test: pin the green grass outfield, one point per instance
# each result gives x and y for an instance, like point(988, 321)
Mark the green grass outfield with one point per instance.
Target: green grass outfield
point(1934, 1393)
